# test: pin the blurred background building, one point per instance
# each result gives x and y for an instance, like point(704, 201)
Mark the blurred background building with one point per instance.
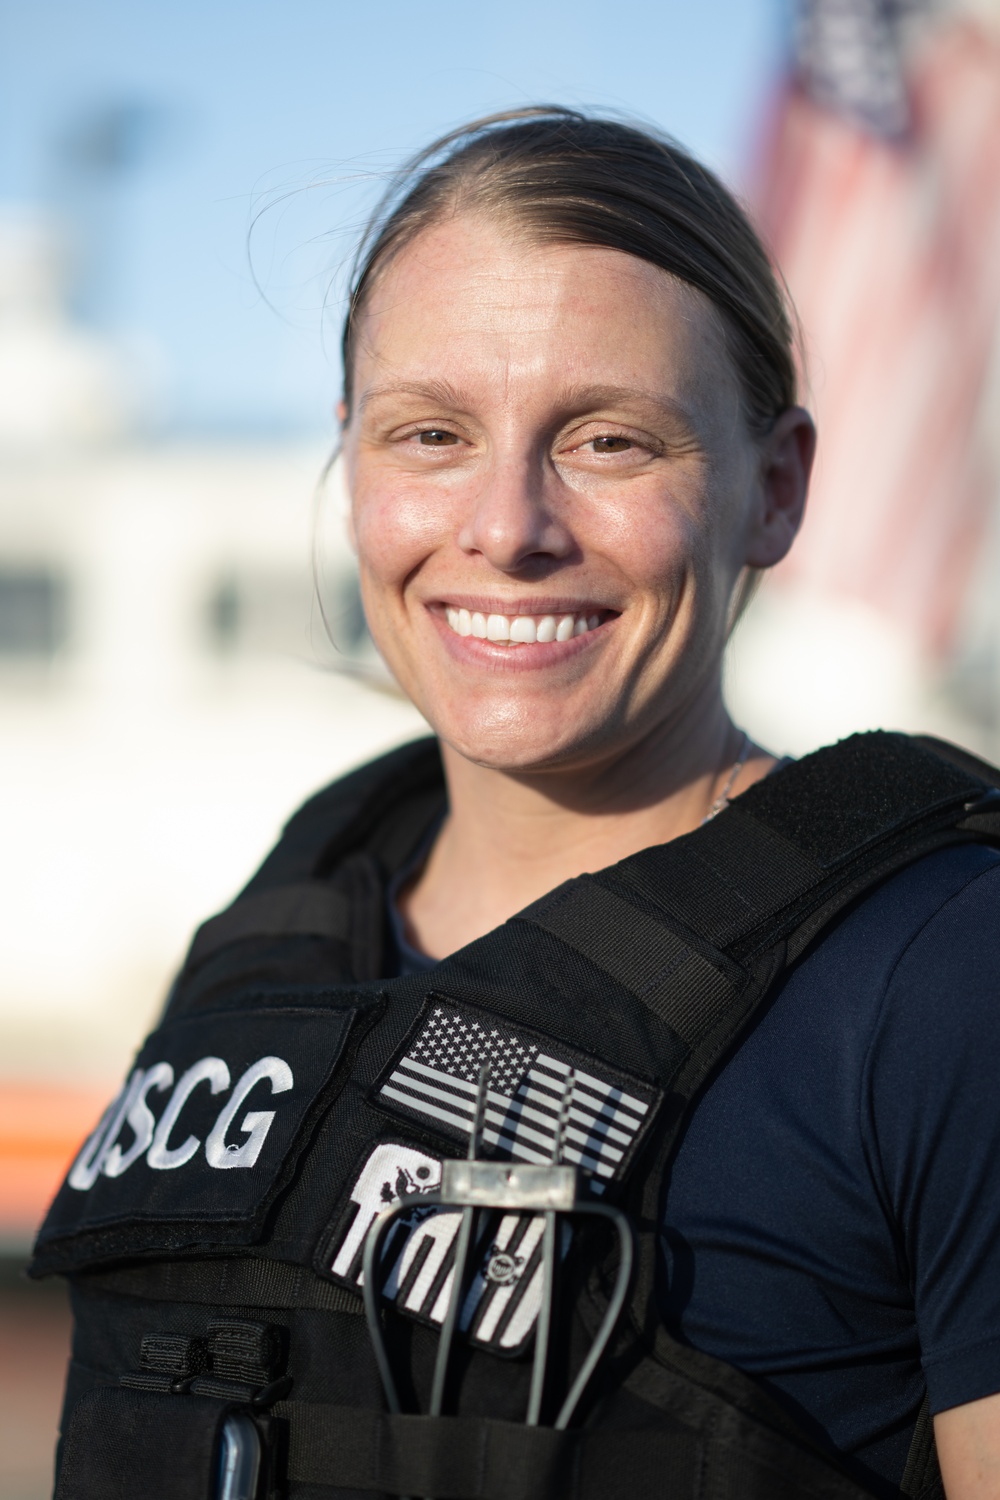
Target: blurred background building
point(172, 681)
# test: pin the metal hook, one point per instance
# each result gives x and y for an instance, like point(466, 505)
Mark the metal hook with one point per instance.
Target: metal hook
point(626, 1255)
point(461, 1255)
point(543, 1323)
point(475, 1184)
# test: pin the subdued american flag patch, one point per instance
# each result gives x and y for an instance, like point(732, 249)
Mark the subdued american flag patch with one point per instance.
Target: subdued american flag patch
point(435, 1075)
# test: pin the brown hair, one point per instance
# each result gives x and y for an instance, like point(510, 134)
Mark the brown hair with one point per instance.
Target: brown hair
point(570, 177)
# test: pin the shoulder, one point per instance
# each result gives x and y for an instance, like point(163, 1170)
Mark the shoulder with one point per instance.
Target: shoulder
point(850, 1019)
point(949, 908)
point(929, 933)
point(937, 1029)
point(901, 950)
point(925, 901)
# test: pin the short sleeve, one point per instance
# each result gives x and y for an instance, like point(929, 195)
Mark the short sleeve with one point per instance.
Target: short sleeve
point(931, 1128)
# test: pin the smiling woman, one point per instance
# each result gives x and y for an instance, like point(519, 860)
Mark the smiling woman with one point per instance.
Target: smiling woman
point(754, 1040)
point(569, 432)
point(588, 463)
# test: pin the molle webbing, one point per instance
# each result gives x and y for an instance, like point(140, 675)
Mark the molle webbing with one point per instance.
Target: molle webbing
point(307, 910)
point(247, 1281)
point(456, 1458)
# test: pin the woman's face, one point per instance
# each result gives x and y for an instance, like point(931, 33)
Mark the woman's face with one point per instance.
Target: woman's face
point(553, 493)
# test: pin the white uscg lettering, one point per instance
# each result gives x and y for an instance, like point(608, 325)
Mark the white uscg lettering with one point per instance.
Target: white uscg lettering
point(163, 1157)
point(140, 1118)
point(102, 1154)
point(255, 1124)
point(87, 1167)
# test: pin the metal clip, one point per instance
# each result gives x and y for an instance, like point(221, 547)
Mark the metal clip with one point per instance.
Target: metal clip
point(476, 1184)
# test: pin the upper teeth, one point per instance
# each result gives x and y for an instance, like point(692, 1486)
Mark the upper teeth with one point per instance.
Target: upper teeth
point(520, 629)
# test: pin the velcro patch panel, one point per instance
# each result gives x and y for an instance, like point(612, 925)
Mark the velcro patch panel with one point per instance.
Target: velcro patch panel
point(214, 1109)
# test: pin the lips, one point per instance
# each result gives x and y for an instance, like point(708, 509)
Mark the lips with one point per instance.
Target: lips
point(519, 629)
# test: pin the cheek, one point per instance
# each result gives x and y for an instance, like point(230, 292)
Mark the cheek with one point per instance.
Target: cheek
point(395, 527)
point(654, 545)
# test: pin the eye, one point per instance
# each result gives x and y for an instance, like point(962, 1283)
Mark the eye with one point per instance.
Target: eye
point(610, 444)
point(436, 438)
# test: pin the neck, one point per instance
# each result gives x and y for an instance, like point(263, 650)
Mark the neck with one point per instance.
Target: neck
point(511, 837)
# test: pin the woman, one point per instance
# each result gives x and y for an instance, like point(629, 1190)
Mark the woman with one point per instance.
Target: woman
point(571, 438)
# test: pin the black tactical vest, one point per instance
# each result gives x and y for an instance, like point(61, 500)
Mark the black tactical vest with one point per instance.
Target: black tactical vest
point(212, 1227)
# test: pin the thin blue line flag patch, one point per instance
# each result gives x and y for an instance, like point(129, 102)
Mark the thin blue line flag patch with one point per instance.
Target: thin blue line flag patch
point(434, 1077)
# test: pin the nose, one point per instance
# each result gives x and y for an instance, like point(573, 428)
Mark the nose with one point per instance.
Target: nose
point(513, 519)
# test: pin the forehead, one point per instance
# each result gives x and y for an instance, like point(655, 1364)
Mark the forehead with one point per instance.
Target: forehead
point(476, 299)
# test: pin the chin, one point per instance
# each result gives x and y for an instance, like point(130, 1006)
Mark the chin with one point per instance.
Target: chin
point(516, 742)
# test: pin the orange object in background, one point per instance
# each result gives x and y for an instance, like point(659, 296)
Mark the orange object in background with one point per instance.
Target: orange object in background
point(42, 1127)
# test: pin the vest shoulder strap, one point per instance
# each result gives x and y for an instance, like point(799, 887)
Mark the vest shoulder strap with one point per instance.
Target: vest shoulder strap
point(382, 809)
point(678, 923)
point(372, 807)
point(697, 929)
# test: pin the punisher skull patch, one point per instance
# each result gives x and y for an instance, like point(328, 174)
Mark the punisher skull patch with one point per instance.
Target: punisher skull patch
point(418, 1260)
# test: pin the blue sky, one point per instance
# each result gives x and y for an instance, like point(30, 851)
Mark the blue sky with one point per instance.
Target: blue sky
point(300, 105)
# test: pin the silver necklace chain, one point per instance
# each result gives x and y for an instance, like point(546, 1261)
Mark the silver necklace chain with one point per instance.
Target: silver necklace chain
point(722, 800)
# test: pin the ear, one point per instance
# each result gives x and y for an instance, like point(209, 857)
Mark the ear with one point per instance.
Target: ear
point(785, 464)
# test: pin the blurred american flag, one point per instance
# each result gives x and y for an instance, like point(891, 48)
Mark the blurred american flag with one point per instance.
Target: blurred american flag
point(880, 199)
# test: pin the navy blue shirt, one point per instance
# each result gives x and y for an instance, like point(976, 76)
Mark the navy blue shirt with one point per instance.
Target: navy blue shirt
point(833, 1213)
point(832, 1219)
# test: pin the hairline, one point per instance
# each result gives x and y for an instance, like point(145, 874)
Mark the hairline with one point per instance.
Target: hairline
point(533, 233)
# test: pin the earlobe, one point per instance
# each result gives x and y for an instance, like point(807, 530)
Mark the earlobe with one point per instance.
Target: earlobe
point(786, 462)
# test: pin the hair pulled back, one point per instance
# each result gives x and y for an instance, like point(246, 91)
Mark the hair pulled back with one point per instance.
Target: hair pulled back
point(566, 177)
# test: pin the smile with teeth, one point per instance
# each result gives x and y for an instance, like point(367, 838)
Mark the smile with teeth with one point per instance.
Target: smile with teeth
point(520, 630)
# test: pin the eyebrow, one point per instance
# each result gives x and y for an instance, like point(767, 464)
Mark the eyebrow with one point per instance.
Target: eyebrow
point(574, 398)
point(585, 398)
point(435, 390)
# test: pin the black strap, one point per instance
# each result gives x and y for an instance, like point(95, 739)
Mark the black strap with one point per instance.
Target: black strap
point(957, 756)
point(368, 809)
point(477, 1458)
point(224, 1282)
point(383, 809)
point(656, 964)
point(697, 929)
point(305, 910)
point(922, 1475)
